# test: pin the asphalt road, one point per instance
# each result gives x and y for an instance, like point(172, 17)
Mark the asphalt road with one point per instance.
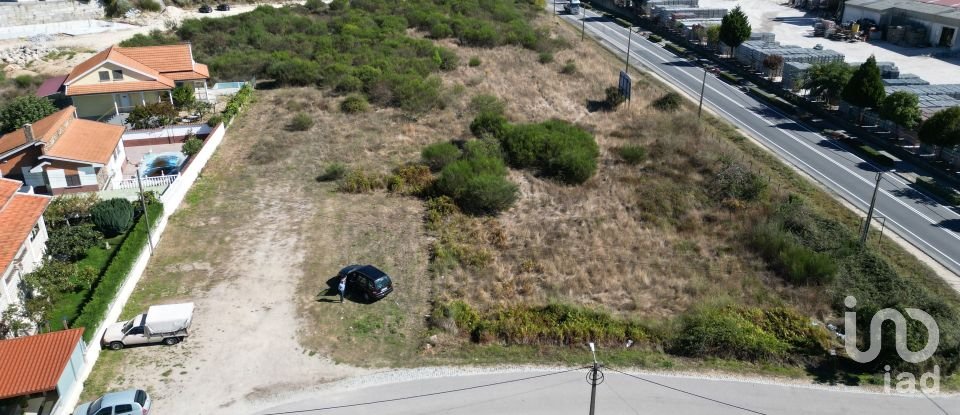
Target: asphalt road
point(906, 210)
point(569, 393)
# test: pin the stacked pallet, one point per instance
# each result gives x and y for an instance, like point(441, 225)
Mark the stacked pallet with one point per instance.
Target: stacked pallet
point(753, 53)
point(650, 4)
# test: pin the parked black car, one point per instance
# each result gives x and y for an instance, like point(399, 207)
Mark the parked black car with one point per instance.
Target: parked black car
point(206, 9)
point(223, 7)
point(367, 281)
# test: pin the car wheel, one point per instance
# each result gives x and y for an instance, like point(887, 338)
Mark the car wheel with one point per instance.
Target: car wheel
point(116, 346)
point(170, 341)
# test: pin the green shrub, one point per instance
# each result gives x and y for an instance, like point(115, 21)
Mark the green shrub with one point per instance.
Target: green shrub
point(478, 185)
point(654, 38)
point(214, 121)
point(632, 154)
point(354, 104)
point(349, 84)
point(799, 264)
point(725, 333)
point(415, 95)
point(112, 217)
point(878, 157)
point(474, 61)
point(440, 30)
point(360, 181)
point(677, 50)
point(545, 57)
point(737, 182)
point(439, 155)
point(569, 68)
point(70, 243)
point(183, 96)
point(152, 115)
point(670, 102)
point(22, 110)
point(294, 71)
point(488, 124)
point(300, 122)
point(149, 5)
point(95, 309)
point(489, 104)
point(559, 149)
point(24, 81)
point(192, 146)
point(484, 147)
point(414, 179)
point(949, 195)
point(613, 98)
point(333, 171)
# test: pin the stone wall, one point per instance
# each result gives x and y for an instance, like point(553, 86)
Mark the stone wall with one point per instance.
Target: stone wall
point(49, 11)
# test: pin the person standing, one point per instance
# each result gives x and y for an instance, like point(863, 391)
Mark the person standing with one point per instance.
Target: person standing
point(342, 287)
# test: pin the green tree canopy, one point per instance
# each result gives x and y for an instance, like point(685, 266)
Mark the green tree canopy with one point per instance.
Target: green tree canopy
point(24, 110)
point(828, 79)
point(902, 108)
point(865, 87)
point(735, 28)
point(942, 129)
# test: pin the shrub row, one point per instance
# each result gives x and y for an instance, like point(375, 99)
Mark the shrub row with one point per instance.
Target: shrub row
point(878, 157)
point(677, 50)
point(798, 263)
point(106, 289)
point(236, 103)
point(654, 38)
point(946, 193)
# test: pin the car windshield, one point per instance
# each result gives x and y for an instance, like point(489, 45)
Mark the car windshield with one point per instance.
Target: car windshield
point(382, 282)
point(128, 326)
point(95, 406)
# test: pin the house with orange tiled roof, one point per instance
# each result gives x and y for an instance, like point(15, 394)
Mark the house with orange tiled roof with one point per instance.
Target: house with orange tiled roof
point(62, 153)
point(38, 372)
point(111, 83)
point(23, 238)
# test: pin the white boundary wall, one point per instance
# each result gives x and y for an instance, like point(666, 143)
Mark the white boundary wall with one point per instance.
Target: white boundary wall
point(171, 199)
point(131, 136)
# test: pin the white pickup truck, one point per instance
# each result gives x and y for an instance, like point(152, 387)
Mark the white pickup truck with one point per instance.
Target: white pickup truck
point(167, 324)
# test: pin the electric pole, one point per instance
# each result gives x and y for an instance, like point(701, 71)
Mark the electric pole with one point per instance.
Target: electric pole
point(583, 24)
point(703, 88)
point(595, 377)
point(873, 202)
point(629, 39)
point(146, 216)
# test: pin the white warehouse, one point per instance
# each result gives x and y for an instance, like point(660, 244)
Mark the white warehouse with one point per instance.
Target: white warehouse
point(936, 22)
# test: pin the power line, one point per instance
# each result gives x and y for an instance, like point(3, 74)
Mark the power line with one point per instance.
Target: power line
point(423, 395)
point(933, 402)
point(689, 393)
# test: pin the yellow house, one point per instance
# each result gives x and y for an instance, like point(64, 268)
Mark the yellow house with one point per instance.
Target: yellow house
point(111, 83)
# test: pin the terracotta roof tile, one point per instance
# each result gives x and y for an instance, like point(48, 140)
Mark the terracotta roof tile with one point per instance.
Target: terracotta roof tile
point(88, 64)
point(167, 58)
point(187, 75)
point(7, 189)
point(34, 364)
point(110, 87)
point(88, 141)
point(17, 219)
point(42, 129)
point(110, 54)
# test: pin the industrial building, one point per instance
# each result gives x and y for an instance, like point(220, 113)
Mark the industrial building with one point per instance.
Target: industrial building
point(911, 22)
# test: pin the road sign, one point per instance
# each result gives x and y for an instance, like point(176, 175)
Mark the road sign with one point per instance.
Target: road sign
point(625, 85)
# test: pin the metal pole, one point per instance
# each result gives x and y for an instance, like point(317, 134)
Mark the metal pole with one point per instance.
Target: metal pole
point(583, 24)
point(629, 40)
point(146, 215)
point(873, 202)
point(554, 7)
point(703, 88)
point(594, 379)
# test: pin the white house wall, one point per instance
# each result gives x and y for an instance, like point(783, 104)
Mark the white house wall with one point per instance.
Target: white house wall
point(57, 179)
point(115, 166)
point(853, 13)
point(88, 176)
point(30, 255)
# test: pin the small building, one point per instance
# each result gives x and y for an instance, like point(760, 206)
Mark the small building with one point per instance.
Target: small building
point(111, 83)
point(36, 371)
point(63, 154)
point(23, 238)
point(933, 22)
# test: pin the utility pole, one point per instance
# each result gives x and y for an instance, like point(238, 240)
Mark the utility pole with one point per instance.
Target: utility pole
point(583, 24)
point(629, 39)
point(703, 88)
point(146, 215)
point(873, 202)
point(595, 377)
point(554, 8)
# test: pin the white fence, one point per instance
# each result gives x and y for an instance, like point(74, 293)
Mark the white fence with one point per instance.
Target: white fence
point(171, 199)
point(162, 180)
point(131, 136)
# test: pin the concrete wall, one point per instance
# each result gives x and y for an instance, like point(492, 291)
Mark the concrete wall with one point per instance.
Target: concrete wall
point(93, 77)
point(50, 11)
point(168, 135)
point(89, 106)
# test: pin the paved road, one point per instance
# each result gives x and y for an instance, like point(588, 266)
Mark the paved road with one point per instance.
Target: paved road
point(569, 393)
point(927, 225)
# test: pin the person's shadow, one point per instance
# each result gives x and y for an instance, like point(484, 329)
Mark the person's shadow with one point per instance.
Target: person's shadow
point(331, 291)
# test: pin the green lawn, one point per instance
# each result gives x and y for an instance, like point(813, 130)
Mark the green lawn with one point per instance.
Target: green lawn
point(97, 258)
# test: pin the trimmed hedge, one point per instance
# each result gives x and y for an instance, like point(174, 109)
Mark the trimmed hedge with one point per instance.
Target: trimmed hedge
point(106, 289)
point(241, 98)
point(878, 157)
point(675, 49)
point(946, 193)
point(655, 38)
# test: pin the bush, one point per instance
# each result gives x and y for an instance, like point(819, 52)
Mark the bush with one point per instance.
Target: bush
point(300, 122)
point(488, 124)
point(192, 146)
point(484, 147)
point(294, 71)
point(349, 84)
point(440, 30)
point(183, 96)
point(478, 185)
point(655, 38)
point(24, 81)
point(799, 264)
point(946, 193)
point(153, 115)
point(545, 57)
point(632, 154)
point(439, 155)
point(333, 171)
point(613, 98)
point(737, 182)
point(487, 104)
point(359, 181)
point(569, 68)
point(149, 5)
point(70, 243)
point(354, 104)
point(670, 102)
point(95, 309)
point(112, 217)
point(214, 121)
point(22, 110)
point(559, 149)
point(474, 61)
point(878, 157)
point(414, 179)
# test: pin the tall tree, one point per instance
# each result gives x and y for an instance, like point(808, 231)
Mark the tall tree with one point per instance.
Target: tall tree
point(735, 28)
point(941, 130)
point(713, 35)
point(865, 88)
point(901, 107)
point(24, 110)
point(827, 80)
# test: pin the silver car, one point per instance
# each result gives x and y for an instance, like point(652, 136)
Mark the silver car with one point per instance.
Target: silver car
point(128, 402)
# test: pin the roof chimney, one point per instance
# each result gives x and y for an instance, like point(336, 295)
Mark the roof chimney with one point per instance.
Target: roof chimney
point(28, 132)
